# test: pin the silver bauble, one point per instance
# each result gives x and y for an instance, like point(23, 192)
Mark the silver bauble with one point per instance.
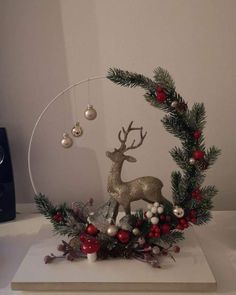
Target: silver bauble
point(192, 161)
point(77, 131)
point(174, 104)
point(90, 113)
point(178, 212)
point(112, 230)
point(66, 141)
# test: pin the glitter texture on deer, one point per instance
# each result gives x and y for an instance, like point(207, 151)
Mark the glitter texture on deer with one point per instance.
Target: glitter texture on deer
point(145, 188)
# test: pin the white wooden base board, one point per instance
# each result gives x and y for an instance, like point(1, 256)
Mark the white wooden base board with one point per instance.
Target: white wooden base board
point(190, 272)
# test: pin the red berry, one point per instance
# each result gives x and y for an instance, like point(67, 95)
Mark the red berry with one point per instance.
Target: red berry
point(193, 220)
point(196, 194)
point(165, 228)
point(168, 218)
point(193, 213)
point(91, 230)
point(198, 198)
point(139, 222)
point(197, 134)
point(179, 227)
point(162, 218)
point(198, 155)
point(151, 235)
point(185, 225)
point(157, 229)
point(161, 97)
point(176, 249)
point(123, 236)
point(182, 221)
point(157, 234)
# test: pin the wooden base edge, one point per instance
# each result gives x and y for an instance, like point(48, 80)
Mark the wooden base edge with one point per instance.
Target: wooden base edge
point(117, 287)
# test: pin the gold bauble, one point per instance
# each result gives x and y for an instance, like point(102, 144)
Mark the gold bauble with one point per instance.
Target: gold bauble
point(178, 212)
point(66, 141)
point(112, 230)
point(77, 130)
point(90, 113)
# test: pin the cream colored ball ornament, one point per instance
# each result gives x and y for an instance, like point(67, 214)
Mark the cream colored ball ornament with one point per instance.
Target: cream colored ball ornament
point(66, 141)
point(77, 130)
point(90, 113)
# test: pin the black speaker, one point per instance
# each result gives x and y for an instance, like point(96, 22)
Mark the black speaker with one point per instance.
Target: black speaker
point(7, 190)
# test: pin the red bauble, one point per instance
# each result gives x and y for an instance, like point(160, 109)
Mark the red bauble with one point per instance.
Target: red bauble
point(165, 228)
point(91, 230)
point(198, 155)
point(197, 134)
point(161, 97)
point(123, 236)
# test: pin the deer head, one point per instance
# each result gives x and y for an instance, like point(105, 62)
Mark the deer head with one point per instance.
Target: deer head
point(118, 155)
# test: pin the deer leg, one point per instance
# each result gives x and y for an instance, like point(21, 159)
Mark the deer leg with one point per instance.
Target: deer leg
point(127, 209)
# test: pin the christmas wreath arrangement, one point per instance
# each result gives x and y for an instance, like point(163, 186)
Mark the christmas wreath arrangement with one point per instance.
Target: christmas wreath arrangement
point(154, 231)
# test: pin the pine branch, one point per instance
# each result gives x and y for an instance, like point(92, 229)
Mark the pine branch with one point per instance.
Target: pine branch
point(164, 80)
point(44, 206)
point(129, 79)
point(180, 157)
point(197, 116)
point(209, 191)
point(211, 155)
point(169, 239)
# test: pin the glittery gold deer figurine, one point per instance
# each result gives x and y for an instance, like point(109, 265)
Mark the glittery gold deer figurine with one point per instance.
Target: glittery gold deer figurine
point(145, 188)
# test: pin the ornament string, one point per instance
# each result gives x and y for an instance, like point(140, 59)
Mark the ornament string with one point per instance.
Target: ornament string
point(59, 95)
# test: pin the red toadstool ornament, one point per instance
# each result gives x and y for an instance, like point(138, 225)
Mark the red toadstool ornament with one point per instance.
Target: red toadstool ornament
point(91, 247)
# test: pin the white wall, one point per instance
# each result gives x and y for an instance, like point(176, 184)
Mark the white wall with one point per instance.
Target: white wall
point(194, 40)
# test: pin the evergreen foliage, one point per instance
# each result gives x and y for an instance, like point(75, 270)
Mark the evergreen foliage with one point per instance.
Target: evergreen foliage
point(182, 122)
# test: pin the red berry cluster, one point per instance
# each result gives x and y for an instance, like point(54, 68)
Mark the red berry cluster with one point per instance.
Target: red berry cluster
point(162, 228)
point(183, 223)
point(155, 231)
point(196, 194)
point(58, 217)
point(160, 95)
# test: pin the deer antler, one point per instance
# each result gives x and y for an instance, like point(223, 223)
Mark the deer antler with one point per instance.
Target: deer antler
point(126, 133)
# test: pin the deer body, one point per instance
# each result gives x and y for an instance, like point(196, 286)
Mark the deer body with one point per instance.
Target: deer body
point(145, 188)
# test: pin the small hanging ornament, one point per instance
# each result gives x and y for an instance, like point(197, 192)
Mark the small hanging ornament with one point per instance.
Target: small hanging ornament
point(77, 130)
point(90, 113)
point(112, 230)
point(192, 161)
point(182, 107)
point(174, 104)
point(178, 212)
point(66, 141)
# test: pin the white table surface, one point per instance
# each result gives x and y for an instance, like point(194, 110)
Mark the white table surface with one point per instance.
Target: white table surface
point(218, 241)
